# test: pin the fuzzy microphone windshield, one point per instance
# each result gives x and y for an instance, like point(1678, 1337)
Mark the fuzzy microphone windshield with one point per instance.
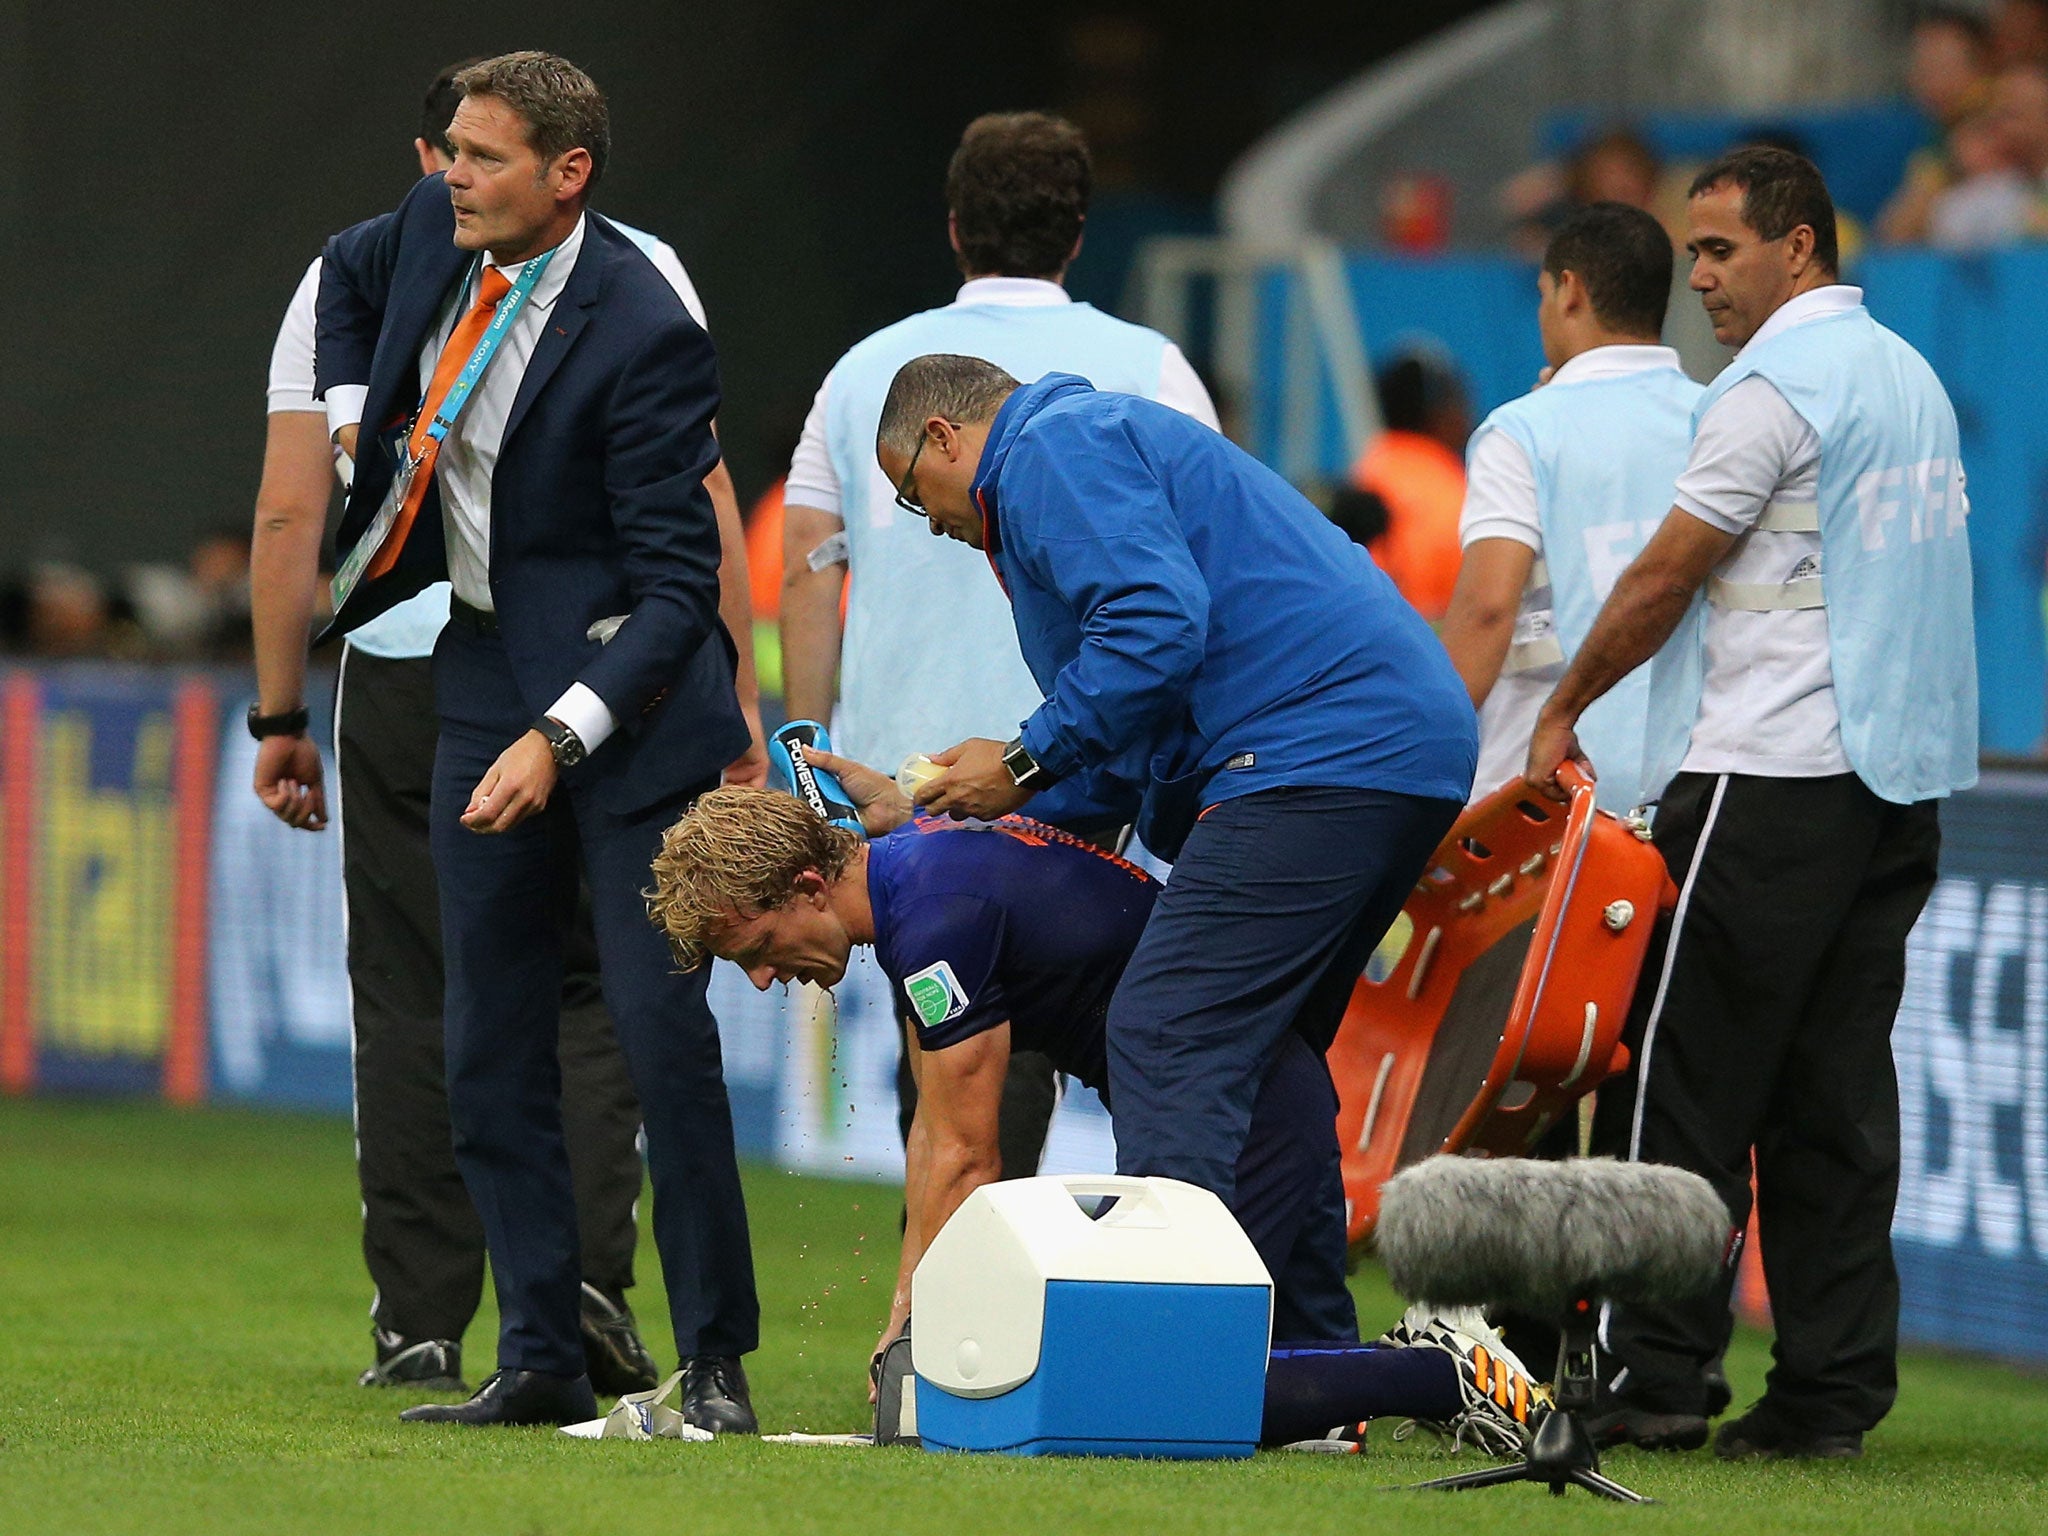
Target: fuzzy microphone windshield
point(1461, 1231)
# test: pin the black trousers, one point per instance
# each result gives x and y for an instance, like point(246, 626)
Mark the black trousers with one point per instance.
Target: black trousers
point(1762, 1028)
point(422, 1241)
point(506, 906)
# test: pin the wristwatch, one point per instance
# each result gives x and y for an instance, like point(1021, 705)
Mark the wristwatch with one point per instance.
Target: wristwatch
point(290, 722)
point(1026, 772)
point(564, 743)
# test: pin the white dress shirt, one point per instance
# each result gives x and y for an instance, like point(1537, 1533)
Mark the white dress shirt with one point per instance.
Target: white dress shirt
point(813, 482)
point(1768, 703)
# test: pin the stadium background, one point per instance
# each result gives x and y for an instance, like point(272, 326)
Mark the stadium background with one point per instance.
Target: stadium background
point(173, 172)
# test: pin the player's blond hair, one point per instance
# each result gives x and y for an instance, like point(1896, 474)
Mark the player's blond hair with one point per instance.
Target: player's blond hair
point(737, 853)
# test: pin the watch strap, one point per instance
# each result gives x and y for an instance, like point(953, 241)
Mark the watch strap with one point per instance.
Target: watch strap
point(289, 722)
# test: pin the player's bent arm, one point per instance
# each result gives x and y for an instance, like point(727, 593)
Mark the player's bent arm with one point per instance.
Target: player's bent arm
point(284, 578)
point(810, 615)
point(959, 1099)
point(1479, 626)
point(1646, 605)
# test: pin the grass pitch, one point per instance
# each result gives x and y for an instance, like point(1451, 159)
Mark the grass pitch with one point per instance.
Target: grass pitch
point(184, 1311)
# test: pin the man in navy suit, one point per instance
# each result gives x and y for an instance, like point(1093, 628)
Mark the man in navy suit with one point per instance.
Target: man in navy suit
point(539, 408)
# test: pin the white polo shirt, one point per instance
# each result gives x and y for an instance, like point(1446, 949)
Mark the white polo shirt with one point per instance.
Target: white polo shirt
point(1768, 703)
point(813, 482)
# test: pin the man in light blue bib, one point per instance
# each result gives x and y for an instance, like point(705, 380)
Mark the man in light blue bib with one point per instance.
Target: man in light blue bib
point(1815, 706)
point(1564, 487)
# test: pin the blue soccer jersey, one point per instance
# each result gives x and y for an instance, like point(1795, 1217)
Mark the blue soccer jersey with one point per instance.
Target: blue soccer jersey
point(981, 923)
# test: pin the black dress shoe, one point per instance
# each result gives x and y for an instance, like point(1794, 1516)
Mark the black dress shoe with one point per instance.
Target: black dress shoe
point(1617, 1423)
point(515, 1397)
point(1761, 1435)
point(613, 1352)
point(715, 1396)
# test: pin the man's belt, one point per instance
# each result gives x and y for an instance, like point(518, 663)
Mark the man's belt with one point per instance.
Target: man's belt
point(473, 618)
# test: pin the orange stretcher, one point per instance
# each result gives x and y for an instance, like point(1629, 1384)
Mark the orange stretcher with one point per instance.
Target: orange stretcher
point(1496, 1001)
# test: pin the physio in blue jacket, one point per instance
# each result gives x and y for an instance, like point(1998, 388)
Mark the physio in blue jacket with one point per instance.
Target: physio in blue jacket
point(1209, 641)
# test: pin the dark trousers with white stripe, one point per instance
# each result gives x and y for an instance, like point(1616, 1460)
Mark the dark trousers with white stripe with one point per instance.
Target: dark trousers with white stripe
point(422, 1240)
point(1763, 1028)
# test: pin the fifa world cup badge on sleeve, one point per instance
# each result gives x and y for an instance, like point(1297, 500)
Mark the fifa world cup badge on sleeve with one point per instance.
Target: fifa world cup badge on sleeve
point(935, 995)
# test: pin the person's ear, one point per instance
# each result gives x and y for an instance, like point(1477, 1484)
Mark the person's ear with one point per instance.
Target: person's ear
point(1799, 249)
point(430, 162)
point(812, 887)
point(573, 170)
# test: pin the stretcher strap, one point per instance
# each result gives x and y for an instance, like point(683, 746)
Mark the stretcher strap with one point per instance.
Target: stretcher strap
point(1528, 655)
point(1765, 596)
point(1790, 517)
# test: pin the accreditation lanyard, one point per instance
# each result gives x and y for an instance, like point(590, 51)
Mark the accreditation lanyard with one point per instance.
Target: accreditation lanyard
point(473, 370)
point(445, 417)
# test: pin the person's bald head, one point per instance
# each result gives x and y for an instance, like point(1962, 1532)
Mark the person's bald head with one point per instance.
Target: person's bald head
point(935, 422)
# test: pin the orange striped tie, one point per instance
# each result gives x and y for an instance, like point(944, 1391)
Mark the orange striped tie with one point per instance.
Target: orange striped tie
point(454, 356)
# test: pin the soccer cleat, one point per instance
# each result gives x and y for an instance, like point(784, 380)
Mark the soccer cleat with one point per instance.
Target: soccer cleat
point(424, 1365)
point(1760, 1435)
point(1503, 1403)
point(613, 1351)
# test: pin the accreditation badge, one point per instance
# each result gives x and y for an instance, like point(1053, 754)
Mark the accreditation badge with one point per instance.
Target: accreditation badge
point(365, 551)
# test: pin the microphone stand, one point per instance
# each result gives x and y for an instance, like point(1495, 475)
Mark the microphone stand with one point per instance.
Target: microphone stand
point(1561, 1452)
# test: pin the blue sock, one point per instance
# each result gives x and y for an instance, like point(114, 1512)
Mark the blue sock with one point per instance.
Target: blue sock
point(1312, 1387)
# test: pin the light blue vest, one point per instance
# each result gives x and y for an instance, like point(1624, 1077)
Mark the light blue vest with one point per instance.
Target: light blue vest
point(931, 655)
point(1895, 556)
point(1606, 453)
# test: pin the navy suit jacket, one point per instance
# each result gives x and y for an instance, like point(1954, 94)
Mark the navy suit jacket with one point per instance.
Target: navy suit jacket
point(598, 506)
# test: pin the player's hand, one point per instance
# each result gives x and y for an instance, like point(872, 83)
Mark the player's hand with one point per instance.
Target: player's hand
point(1553, 745)
point(875, 1364)
point(975, 782)
point(751, 766)
point(518, 784)
point(883, 807)
point(345, 439)
point(890, 1334)
point(289, 780)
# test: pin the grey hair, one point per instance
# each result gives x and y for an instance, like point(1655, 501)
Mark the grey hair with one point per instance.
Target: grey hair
point(1538, 1235)
point(945, 384)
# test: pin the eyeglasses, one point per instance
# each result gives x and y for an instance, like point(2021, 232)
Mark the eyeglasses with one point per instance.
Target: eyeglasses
point(906, 488)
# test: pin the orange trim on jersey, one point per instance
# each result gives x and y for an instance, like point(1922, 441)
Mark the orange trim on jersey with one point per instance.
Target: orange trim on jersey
point(1034, 834)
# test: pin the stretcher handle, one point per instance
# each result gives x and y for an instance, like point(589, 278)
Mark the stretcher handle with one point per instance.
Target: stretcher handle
point(1573, 779)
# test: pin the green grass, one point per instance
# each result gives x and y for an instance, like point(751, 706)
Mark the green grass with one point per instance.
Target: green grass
point(184, 1316)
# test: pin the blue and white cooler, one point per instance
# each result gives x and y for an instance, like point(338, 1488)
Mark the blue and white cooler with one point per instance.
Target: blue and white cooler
point(1091, 1316)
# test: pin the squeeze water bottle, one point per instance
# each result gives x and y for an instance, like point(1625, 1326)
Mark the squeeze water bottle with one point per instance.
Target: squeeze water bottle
point(790, 770)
